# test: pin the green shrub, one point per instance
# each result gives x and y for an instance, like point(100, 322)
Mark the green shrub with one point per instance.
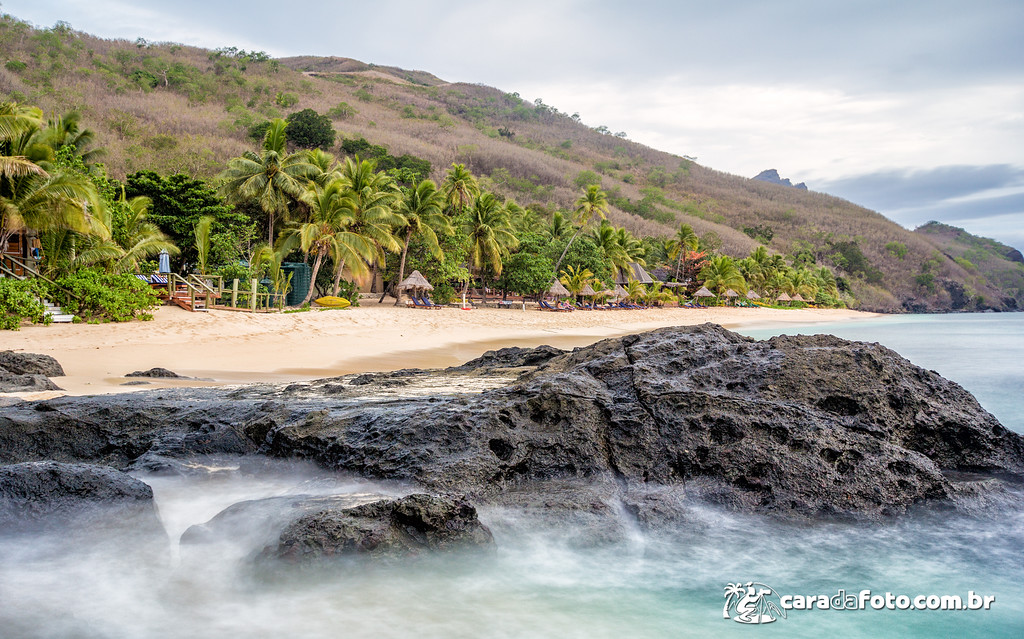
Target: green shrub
point(16, 66)
point(94, 295)
point(19, 302)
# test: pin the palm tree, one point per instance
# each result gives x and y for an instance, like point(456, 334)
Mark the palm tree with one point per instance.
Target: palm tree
point(490, 237)
point(684, 240)
point(422, 210)
point(721, 273)
point(592, 202)
point(559, 226)
point(459, 188)
point(371, 199)
point(576, 279)
point(272, 177)
point(65, 131)
point(329, 232)
point(48, 203)
point(138, 239)
point(16, 119)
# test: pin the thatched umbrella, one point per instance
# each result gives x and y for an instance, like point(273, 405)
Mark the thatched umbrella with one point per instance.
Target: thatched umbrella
point(798, 298)
point(703, 292)
point(752, 295)
point(558, 290)
point(415, 280)
point(588, 291)
point(731, 293)
point(784, 298)
point(620, 292)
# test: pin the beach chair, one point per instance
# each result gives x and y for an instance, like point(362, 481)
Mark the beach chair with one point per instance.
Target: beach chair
point(429, 304)
point(417, 302)
point(544, 306)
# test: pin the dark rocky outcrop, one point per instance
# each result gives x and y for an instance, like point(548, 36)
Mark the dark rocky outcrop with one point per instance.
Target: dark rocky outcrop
point(21, 372)
point(48, 495)
point(805, 426)
point(158, 373)
point(772, 175)
point(387, 528)
point(511, 357)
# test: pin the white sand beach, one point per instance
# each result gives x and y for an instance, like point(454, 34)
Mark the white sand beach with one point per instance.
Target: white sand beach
point(231, 347)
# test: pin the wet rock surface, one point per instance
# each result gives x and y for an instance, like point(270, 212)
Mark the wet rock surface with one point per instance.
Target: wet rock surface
point(48, 495)
point(157, 372)
point(804, 426)
point(394, 528)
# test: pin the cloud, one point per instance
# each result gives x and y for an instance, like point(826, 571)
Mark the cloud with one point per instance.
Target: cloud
point(986, 200)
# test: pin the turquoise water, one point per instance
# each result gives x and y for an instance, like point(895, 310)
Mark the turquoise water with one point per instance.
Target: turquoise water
point(540, 584)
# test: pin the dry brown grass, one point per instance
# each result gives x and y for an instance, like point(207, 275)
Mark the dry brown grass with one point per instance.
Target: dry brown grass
point(196, 131)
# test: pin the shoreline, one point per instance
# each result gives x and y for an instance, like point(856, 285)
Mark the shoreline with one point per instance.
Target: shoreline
point(226, 348)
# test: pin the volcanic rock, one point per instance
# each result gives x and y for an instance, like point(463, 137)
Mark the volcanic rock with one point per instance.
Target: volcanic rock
point(52, 495)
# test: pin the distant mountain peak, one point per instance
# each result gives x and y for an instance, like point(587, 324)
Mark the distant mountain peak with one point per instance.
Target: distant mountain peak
point(772, 175)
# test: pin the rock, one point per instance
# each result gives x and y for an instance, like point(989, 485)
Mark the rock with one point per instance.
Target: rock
point(136, 383)
point(51, 495)
point(21, 372)
point(806, 426)
point(11, 383)
point(157, 372)
point(393, 528)
point(30, 364)
point(772, 175)
point(511, 357)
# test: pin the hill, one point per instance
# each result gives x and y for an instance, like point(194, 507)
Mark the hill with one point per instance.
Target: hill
point(178, 109)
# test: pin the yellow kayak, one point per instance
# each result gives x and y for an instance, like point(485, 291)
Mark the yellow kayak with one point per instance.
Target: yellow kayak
point(333, 302)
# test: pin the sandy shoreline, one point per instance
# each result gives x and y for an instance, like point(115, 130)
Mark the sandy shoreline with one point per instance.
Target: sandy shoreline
point(230, 347)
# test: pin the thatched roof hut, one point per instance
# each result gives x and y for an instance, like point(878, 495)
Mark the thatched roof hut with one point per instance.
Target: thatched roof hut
point(588, 291)
point(784, 298)
point(703, 292)
point(798, 298)
point(731, 293)
point(415, 281)
point(752, 295)
point(557, 289)
point(634, 271)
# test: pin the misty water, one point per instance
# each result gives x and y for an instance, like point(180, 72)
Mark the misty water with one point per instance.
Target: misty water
point(542, 582)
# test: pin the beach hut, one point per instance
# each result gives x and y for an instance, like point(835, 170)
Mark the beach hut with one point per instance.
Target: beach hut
point(415, 281)
point(588, 291)
point(798, 298)
point(731, 294)
point(703, 292)
point(784, 298)
point(620, 293)
point(752, 295)
point(558, 290)
point(634, 271)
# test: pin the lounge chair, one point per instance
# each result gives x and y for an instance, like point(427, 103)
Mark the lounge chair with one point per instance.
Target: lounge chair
point(428, 304)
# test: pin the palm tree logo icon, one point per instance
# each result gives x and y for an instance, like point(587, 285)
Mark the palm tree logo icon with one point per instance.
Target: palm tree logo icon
point(751, 603)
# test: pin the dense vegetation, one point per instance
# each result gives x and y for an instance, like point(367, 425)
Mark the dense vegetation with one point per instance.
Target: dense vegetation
point(167, 113)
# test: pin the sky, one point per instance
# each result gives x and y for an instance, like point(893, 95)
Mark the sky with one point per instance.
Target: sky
point(912, 108)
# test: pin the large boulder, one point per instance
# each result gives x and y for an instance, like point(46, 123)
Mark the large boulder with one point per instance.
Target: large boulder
point(22, 372)
point(403, 527)
point(808, 426)
point(38, 496)
point(30, 364)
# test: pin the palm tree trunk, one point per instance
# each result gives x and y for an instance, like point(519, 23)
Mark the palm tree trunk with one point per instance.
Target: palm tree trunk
point(564, 252)
point(679, 261)
point(312, 284)
point(337, 278)
point(483, 287)
point(401, 265)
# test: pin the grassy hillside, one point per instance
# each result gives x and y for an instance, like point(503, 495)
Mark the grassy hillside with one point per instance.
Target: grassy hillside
point(172, 108)
point(987, 261)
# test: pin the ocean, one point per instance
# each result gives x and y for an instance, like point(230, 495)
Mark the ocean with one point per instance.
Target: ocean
point(541, 583)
